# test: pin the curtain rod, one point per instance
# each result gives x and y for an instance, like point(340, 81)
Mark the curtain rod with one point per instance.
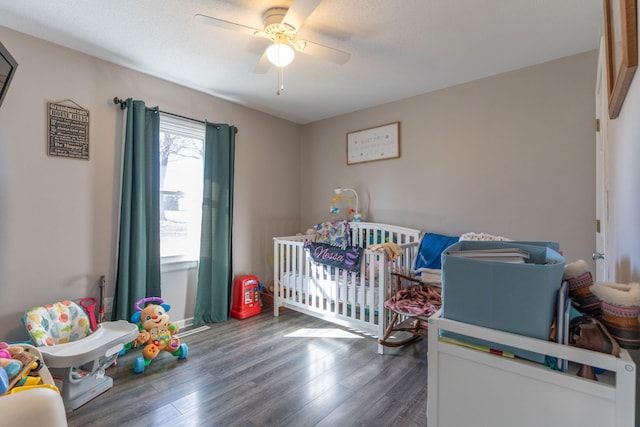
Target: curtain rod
point(123, 105)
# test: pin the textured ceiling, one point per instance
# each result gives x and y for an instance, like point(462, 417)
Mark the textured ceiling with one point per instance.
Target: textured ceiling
point(399, 48)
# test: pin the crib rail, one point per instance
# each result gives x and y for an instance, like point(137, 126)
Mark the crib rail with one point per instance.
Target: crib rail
point(352, 299)
point(365, 234)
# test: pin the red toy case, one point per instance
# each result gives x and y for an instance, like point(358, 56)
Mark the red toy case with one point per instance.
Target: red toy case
point(246, 297)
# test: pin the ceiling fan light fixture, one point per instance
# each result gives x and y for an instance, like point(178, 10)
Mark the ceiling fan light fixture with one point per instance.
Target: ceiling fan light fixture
point(280, 53)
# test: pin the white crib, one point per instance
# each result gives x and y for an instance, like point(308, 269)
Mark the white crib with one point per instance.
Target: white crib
point(351, 299)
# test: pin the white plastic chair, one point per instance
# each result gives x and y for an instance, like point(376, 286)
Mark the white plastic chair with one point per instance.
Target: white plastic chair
point(76, 356)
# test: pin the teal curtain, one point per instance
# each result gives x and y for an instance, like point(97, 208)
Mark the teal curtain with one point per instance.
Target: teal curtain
point(213, 297)
point(138, 274)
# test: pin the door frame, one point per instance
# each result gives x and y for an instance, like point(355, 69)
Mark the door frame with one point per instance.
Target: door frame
point(602, 211)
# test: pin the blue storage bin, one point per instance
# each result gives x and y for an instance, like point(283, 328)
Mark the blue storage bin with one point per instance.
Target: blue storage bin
point(516, 298)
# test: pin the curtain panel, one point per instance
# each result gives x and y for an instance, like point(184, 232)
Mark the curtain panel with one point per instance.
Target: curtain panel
point(138, 264)
point(213, 297)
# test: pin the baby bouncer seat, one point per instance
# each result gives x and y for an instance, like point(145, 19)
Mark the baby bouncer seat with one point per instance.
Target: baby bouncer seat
point(76, 356)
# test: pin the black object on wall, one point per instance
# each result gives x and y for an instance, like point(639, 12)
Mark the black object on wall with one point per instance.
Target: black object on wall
point(8, 67)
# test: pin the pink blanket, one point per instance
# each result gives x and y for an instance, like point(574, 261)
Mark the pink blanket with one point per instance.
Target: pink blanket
point(416, 300)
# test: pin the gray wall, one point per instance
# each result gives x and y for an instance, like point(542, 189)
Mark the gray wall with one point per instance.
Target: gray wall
point(511, 154)
point(58, 216)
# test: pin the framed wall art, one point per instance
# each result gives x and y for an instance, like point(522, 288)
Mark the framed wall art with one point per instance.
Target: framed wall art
point(621, 41)
point(68, 134)
point(376, 143)
point(8, 67)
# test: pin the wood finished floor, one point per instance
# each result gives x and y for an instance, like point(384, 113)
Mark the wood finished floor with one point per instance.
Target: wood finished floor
point(268, 371)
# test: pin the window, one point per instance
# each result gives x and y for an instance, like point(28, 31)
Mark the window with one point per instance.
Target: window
point(181, 176)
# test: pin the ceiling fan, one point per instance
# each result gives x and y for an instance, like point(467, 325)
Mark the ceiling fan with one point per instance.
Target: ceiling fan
point(281, 26)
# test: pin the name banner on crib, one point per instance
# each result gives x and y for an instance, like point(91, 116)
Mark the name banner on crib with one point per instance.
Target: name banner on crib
point(346, 259)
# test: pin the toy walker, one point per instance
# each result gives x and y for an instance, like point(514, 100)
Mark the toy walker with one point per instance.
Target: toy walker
point(156, 333)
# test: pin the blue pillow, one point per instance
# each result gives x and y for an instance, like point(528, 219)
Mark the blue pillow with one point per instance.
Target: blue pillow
point(430, 252)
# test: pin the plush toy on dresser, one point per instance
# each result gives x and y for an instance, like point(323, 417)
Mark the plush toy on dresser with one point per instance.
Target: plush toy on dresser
point(17, 368)
point(9, 368)
point(156, 333)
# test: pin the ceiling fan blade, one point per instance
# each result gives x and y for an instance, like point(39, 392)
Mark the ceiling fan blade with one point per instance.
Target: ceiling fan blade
point(263, 64)
point(325, 52)
point(299, 11)
point(227, 25)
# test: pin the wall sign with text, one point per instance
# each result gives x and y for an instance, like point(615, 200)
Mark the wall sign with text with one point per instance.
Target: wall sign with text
point(68, 130)
point(377, 143)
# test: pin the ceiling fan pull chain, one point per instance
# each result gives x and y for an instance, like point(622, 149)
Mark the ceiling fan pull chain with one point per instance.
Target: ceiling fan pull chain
point(280, 80)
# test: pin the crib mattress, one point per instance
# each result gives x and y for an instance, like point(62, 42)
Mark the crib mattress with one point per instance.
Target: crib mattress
point(329, 289)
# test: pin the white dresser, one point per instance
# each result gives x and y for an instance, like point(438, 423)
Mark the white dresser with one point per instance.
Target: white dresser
point(471, 387)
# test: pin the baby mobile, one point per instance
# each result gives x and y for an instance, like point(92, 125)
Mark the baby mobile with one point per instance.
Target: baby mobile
point(342, 207)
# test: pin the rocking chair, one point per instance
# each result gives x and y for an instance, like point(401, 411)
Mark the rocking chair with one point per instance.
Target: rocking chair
point(411, 306)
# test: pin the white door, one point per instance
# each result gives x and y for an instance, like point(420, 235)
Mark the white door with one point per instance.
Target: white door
point(601, 185)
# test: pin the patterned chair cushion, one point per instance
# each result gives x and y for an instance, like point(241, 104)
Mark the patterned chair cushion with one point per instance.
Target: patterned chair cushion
point(57, 323)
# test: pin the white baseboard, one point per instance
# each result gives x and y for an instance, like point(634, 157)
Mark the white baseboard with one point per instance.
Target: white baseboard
point(184, 323)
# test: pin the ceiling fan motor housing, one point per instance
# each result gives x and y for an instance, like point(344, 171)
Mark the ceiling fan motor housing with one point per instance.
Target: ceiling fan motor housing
point(274, 26)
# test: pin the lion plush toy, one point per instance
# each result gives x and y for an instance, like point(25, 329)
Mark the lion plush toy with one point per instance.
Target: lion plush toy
point(156, 333)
